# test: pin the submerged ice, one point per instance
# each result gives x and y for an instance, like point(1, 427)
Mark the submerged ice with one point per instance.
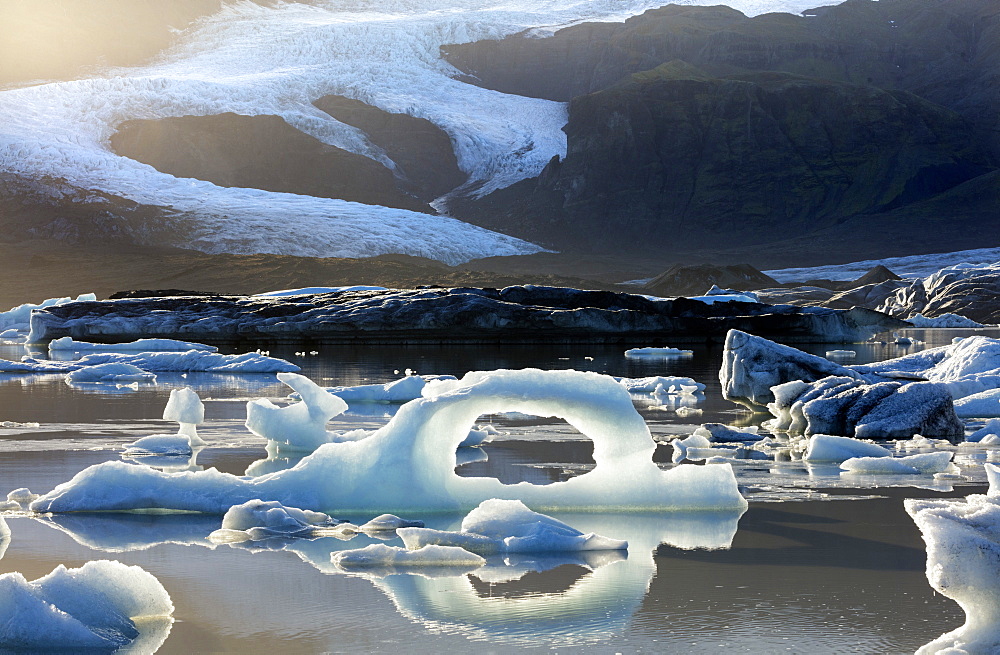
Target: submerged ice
point(416, 451)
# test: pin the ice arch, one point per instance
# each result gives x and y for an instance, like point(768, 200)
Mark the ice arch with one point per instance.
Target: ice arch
point(409, 464)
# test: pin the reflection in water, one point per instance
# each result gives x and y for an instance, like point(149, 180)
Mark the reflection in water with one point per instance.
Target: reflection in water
point(594, 602)
point(595, 606)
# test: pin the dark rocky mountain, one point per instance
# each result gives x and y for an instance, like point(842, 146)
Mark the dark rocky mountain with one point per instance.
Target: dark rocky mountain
point(421, 150)
point(693, 128)
point(671, 160)
point(696, 279)
point(261, 152)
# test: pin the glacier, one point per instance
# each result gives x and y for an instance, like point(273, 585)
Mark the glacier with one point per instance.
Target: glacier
point(275, 59)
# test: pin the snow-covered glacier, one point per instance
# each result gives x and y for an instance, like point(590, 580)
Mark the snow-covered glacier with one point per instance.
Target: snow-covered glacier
point(276, 59)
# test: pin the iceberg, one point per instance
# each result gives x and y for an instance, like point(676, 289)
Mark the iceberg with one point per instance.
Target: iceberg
point(157, 362)
point(257, 519)
point(18, 318)
point(185, 407)
point(829, 448)
point(402, 390)
point(657, 353)
point(985, 404)
point(948, 320)
point(416, 451)
point(508, 526)
point(920, 464)
point(380, 555)
point(112, 372)
point(94, 606)
point(846, 406)
point(300, 426)
point(963, 563)
point(718, 432)
point(139, 345)
point(387, 522)
point(661, 384)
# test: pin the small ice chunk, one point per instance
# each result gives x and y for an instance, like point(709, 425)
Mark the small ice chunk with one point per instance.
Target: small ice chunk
point(657, 353)
point(389, 522)
point(718, 432)
point(508, 526)
point(990, 440)
point(93, 606)
point(111, 372)
point(841, 354)
point(681, 446)
point(300, 426)
point(159, 444)
point(479, 435)
point(991, 427)
point(828, 448)
point(661, 384)
point(923, 463)
point(260, 519)
point(22, 496)
point(380, 555)
point(185, 407)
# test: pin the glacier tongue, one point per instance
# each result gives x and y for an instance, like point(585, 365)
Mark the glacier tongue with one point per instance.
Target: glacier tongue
point(251, 59)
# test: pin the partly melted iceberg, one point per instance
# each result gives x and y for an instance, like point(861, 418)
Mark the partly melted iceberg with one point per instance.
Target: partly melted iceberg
point(94, 606)
point(409, 463)
point(963, 563)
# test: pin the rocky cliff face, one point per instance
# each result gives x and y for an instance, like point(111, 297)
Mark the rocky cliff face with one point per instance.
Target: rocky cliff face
point(261, 152)
point(672, 159)
point(693, 128)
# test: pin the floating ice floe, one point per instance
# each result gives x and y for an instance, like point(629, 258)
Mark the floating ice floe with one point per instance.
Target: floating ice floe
point(382, 556)
point(256, 519)
point(990, 427)
point(157, 362)
point(508, 526)
point(93, 607)
point(718, 432)
point(847, 406)
point(478, 436)
point(387, 522)
point(139, 345)
point(21, 497)
point(112, 372)
point(829, 448)
point(657, 353)
point(963, 563)
point(661, 385)
point(402, 390)
point(841, 354)
point(921, 464)
point(985, 404)
point(416, 452)
point(185, 407)
point(944, 321)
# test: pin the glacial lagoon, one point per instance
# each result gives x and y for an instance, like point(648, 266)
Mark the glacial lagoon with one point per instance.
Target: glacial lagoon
point(819, 563)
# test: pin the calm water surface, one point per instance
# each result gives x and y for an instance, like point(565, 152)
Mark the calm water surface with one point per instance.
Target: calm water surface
point(820, 563)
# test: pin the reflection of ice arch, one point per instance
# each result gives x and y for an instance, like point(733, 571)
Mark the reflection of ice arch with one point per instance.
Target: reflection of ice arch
point(409, 464)
point(596, 607)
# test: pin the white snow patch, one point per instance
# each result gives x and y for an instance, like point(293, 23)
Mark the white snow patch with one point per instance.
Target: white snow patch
point(922, 463)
